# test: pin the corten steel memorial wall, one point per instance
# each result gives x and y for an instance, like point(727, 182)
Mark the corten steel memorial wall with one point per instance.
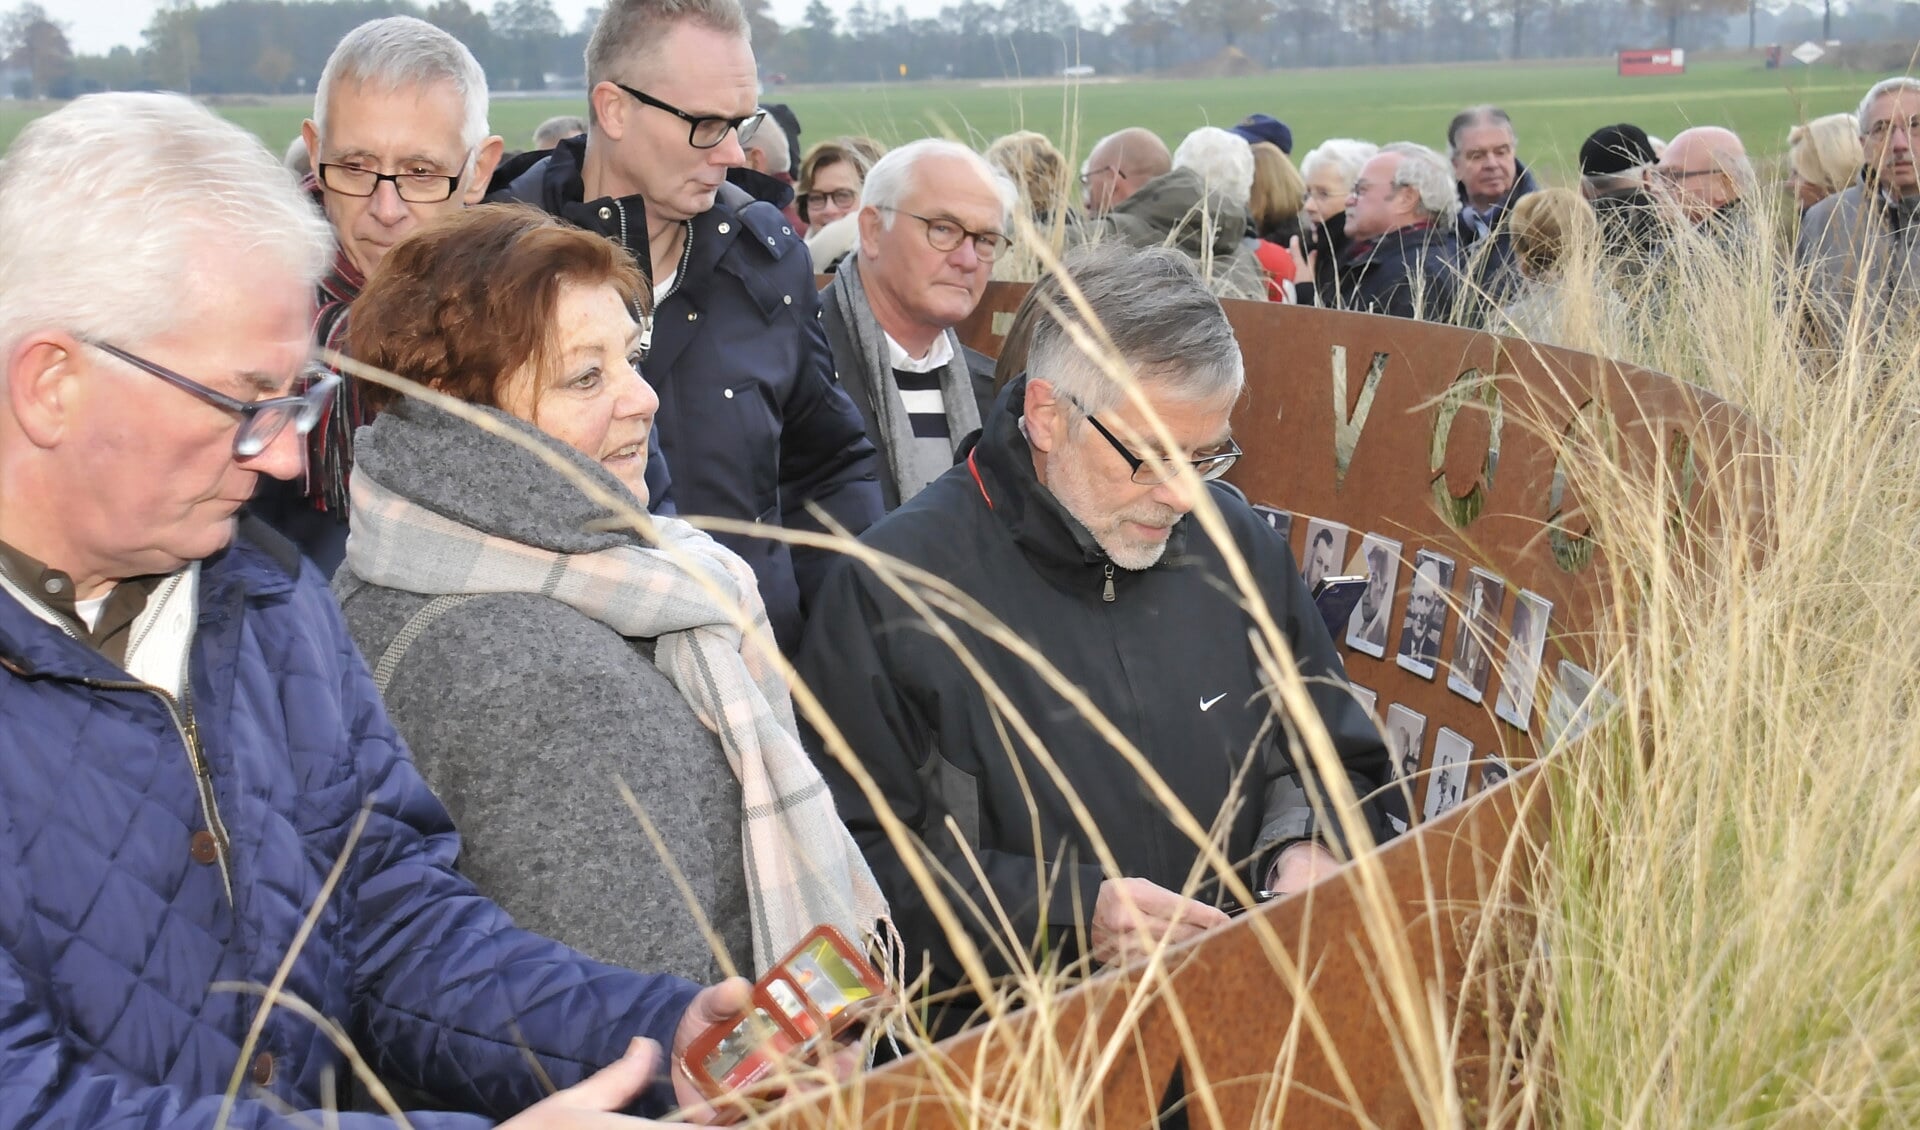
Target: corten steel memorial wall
point(1437, 458)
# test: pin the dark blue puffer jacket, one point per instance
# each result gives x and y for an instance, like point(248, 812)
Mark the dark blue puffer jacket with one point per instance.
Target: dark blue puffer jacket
point(117, 946)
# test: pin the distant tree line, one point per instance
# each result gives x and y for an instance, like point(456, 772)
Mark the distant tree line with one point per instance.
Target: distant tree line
point(279, 46)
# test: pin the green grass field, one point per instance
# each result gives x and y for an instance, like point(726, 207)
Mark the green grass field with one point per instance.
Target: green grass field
point(1555, 105)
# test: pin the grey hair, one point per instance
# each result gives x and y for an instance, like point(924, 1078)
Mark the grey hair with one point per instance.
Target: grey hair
point(771, 139)
point(1430, 177)
point(555, 130)
point(626, 42)
point(1164, 323)
point(1884, 87)
point(168, 185)
point(892, 175)
point(1477, 116)
point(399, 53)
point(1223, 159)
point(1345, 155)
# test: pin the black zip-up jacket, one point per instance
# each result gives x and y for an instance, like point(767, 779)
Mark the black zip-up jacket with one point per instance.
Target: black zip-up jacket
point(1410, 272)
point(1163, 652)
point(752, 421)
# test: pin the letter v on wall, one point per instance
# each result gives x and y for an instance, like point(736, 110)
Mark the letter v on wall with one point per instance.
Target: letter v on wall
point(1347, 425)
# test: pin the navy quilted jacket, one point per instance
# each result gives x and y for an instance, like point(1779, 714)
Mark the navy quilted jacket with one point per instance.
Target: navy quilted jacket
point(118, 947)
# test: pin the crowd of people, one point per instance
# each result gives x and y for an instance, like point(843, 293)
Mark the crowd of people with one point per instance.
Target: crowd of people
point(271, 632)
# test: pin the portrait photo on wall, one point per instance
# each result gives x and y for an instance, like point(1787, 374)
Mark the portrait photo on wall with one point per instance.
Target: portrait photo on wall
point(1365, 697)
point(1577, 702)
point(1479, 628)
point(1526, 644)
point(1326, 548)
point(1494, 771)
point(1426, 619)
point(1280, 520)
point(1447, 787)
point(1379, 559)
point(1406, 730)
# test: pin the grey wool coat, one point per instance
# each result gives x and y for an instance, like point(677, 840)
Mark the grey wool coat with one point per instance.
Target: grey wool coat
point(523, 714)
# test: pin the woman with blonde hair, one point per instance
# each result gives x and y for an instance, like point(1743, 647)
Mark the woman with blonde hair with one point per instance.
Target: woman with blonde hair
point(1555, 243)
point(1038, 170)
point(1273, 209)
point(1823, 157)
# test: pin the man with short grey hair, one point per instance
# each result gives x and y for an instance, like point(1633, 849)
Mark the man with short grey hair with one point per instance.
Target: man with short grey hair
point(1490, 179)
point(201, 788)
point(933, 218)
point(398, 139)
point(1072, 515)
point(1118, 165)
point(1859, 246)
point(752, 423)
point(1402, 258)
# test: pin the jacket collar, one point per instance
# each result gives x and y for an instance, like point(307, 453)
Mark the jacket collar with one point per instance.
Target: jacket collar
point(31, 647)
point(1051, 538)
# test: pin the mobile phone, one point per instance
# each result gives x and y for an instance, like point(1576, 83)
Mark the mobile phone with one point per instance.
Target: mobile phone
point(804, 1006)
point(1336, 598)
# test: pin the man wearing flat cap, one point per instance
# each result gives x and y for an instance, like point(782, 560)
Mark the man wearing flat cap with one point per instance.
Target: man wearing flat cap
point(1616, 163)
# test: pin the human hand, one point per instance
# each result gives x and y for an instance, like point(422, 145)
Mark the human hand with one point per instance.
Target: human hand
point(1304, 261)
point(1300, 865)
point(591, 1103)
point(1131, 916)
point(728, 1001)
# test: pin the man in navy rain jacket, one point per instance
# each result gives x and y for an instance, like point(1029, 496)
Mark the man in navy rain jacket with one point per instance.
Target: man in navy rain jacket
point(194, 765)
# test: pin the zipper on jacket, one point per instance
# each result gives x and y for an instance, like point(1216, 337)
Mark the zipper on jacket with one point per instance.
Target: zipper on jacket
point(181, 711)
point(1106, 591)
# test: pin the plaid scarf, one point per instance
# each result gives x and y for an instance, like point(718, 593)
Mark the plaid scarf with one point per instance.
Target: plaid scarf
point(802, 867)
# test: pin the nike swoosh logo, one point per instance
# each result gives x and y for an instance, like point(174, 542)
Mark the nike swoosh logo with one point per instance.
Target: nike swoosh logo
point(1207, 704)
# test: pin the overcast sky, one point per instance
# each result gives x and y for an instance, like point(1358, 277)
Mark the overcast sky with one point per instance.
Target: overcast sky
point(97, 26)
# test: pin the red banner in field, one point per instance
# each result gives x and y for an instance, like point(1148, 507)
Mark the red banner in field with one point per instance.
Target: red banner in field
point(1672, 61)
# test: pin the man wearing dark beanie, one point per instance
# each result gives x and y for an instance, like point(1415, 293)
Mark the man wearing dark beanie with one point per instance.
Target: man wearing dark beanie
point(1614, 164)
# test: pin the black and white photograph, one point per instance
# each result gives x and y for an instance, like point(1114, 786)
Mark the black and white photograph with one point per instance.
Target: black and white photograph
point(1365, 697)
point(1426, 618)
point(1280, 520)
point(1379, 558)
point(1526, 644)
point(1575, 704)
point(1479, 628)
point(1448, 785)
point(1406, 731)
point(1494, 771)
point(1326, 549)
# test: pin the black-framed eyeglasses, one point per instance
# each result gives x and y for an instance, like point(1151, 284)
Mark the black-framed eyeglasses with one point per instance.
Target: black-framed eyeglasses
point(414, 188)
point(703, 132)
point(841, 198)
point(1153, 472)
point(1087, 177)
point(946, 235)
point(261, 421)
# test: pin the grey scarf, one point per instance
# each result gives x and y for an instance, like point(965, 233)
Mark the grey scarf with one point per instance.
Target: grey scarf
point(908, 464)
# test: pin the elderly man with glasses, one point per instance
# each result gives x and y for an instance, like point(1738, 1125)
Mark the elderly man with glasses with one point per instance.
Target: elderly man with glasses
point(1860, 247)
point(751, 420)
point(399, 138)
point(201, 791)
point(1069, 526)
point(934, 219)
